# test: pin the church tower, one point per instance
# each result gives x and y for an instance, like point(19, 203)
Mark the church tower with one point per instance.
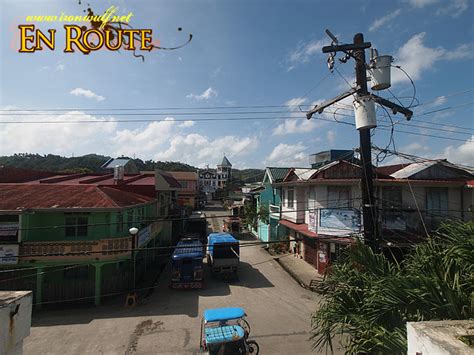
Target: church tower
point(224, 172)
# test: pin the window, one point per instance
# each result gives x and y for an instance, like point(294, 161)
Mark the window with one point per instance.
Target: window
point(184, 184)
point(391, 197)
point(9, 225)
point(290, 195)
point(339, 197)
point(312, 198)
point(437, 200)
point(76, 225)
point(130, 219)
point(119, 226)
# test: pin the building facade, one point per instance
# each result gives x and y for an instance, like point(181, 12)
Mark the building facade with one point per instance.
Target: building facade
point(211, 180)
point(67, 236)
point(319, 208)
point(187, 193)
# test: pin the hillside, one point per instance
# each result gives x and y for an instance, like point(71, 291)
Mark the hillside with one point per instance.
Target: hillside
point(92, 163)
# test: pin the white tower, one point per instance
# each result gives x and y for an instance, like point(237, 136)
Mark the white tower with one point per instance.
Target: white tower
point(224, 171)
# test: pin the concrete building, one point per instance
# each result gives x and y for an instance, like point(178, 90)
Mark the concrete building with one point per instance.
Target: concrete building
point(15, 320)
point(187, 193)
point(210, 180)
point(70, 233)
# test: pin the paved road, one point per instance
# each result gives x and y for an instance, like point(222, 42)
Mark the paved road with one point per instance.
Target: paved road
point(168, 322)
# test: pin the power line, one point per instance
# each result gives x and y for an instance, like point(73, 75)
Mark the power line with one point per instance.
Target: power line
point(458, 93)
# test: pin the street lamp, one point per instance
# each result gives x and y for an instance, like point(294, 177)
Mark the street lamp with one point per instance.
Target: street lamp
point(133, 233)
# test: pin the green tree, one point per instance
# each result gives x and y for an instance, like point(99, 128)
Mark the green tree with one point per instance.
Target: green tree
point(369, 299)
point(251, 215)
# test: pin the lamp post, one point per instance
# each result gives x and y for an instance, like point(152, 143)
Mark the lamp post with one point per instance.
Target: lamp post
point(133, 233)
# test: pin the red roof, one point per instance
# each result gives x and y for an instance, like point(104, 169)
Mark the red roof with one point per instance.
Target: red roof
point(298, 227)
point(183, 175)
point(41, 196)
point(12, 174)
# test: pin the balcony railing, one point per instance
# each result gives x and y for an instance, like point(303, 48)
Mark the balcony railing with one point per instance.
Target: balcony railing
point(103, 249)
point(275, 211)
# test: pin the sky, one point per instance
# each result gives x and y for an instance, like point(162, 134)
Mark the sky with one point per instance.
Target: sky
point(243, 55)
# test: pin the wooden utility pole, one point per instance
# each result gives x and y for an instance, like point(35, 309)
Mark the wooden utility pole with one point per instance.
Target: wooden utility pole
point(356, 50)
point(367, 185)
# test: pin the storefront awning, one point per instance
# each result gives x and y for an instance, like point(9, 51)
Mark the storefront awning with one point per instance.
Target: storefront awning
point(302, 228)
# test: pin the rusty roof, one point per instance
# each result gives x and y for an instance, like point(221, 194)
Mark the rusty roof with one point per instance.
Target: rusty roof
point(16, 197)
point(183, 175)
point(12, 174)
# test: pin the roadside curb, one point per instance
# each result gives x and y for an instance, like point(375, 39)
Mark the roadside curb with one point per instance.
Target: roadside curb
point(292, 274)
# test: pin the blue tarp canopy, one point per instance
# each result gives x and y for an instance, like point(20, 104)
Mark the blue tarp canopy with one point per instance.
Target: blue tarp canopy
point(225, 334)
point(214, 238)
point(223, 314)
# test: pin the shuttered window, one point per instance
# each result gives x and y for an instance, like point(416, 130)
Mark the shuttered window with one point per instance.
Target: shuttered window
point(437, 201)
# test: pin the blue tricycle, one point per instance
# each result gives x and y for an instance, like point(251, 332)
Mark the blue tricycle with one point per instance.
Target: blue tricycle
point(226, 331)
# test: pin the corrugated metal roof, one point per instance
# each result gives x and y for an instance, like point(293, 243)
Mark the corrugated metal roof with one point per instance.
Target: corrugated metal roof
point(183, 175)
point(412, 169)
point(277, 174)
point(41, 196)
point(304, 174)
point(115, 162)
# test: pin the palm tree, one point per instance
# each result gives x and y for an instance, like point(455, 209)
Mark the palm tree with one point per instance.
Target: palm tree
point(368, 298)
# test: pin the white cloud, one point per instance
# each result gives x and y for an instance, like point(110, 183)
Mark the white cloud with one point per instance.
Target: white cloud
point(187, 124)
point(143, 141)
point(462, 154)
point(200, 150)
point(454, 9)
point(207, 94)
point(384, 21)
point(304, 51)
point(421, 3)
point(295, 102)
point(288, 155)
point(415, 57)
point(331, 136)
point(60, 67)
point(163, 140)
point(86, 93)
point(56, 137)
point(441, 100)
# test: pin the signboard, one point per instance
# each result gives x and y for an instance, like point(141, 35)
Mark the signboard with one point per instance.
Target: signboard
point(143, 236)
point(9, 254)
point(313, 220)
point(339, 222)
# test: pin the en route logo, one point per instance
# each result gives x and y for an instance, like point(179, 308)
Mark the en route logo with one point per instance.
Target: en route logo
point(108, 31)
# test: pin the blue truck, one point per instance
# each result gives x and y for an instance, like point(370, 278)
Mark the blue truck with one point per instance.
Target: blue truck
point(223, 253)
point(186, 264)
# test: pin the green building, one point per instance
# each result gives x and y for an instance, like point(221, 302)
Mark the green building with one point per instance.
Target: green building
point(270, 198)
point(72, 242)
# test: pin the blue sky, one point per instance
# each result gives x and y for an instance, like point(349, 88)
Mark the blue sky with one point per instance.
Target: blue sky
point(243, 53)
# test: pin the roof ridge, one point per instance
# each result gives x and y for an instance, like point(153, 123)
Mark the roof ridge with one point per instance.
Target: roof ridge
point(101, 191)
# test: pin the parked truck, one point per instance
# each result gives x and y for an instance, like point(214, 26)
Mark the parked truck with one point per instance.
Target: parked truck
point(223, 253)
point(196, 227)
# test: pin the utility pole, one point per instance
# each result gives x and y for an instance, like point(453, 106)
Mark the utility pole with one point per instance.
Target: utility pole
point(367, 185)
point(363, 99)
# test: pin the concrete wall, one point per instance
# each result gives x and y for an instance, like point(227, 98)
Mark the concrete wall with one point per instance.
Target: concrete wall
point(15, 320)
point(438, 337)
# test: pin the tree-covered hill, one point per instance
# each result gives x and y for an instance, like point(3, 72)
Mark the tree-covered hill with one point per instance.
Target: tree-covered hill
point(92, 163)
